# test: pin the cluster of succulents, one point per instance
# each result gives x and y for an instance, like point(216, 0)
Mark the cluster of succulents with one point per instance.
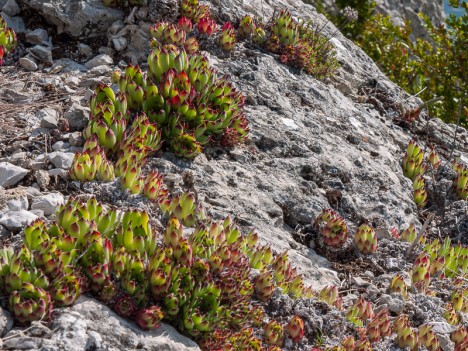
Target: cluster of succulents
point(334, 232)
point(297, 43)
point(200, 282)
point(8, 40)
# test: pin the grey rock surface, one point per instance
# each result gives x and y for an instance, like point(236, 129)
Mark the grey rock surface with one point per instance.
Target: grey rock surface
point(48, 118)
point(11, 174)
point(11, 8)
point(77, 17)
point(37, 36)
point(409, 9)
point(28, 63)
point(16, 220)
point(92, 325)
point(42, 53)
point(47, 203)
point(61, 159)
point(99, 60)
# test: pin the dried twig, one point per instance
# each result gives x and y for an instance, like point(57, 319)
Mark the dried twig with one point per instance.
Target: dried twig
point(421, 233)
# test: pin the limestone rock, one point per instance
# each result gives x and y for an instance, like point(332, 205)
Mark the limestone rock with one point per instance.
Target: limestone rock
point(47, 203)
point(78, 17)
point(99, 60)
point(61, 159)
point(11, 174)
point(16, 220)
point(92, 325)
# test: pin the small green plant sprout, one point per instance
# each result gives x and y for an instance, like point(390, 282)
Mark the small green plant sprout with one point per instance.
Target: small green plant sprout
point(451, 315)
point(332, 227)
point(459, 337)
point(413, 165)
point(348, 343)
point(273, 333)
point(419, 192)
point(360, 312)
point(8, 40)
point(420, 275)
point(295, 328)
point(247, 27)
point(329, 294)
point(461, 180)
point(227, 39)
point(434, 159)
point(363, 344)
point(148, 318)
point(398, 285)
point(366, 240)
point(428, 338)
point(409, 234)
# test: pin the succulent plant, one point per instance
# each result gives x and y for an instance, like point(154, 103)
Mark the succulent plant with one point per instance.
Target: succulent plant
point(273, 333)
point(30, 303)
point(332, 228)
point(7, 40)
point(363, 344)
point(398, 285)
point(207, 25)
point(265, 286)
point(461, 180)
point(148, 318)
point(65, 289)
point(366, 240)
point(408, 338)
point(420, 272)
point(451, 315)
point(348, 343)
point(413, 161)
point(329, 294)
point(459, 336)
point(247, 27)
point(409, 234)
point(434, 159)
point(227, 39)
point(295, 328)
point(428, 338)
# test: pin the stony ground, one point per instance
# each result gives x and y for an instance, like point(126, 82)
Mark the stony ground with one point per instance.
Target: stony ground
point(314, 144)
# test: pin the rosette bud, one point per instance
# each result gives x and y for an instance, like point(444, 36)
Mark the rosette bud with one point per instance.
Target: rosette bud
point(295, 328)
point(227, 38)
point(459, 336)
point(413, 161)
point(409, 234)
point(125, 306)
point(207, 25)
point(246, 27)
point(332, 227)
point(264, 286)
point(428, 338)
point(185, 23)
point(329, 294)
point(434, 159)
point(65, 290)
point(273, 333)
point(29, 304)
point(148, 318)
point(398, 285)
point(366, 240)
